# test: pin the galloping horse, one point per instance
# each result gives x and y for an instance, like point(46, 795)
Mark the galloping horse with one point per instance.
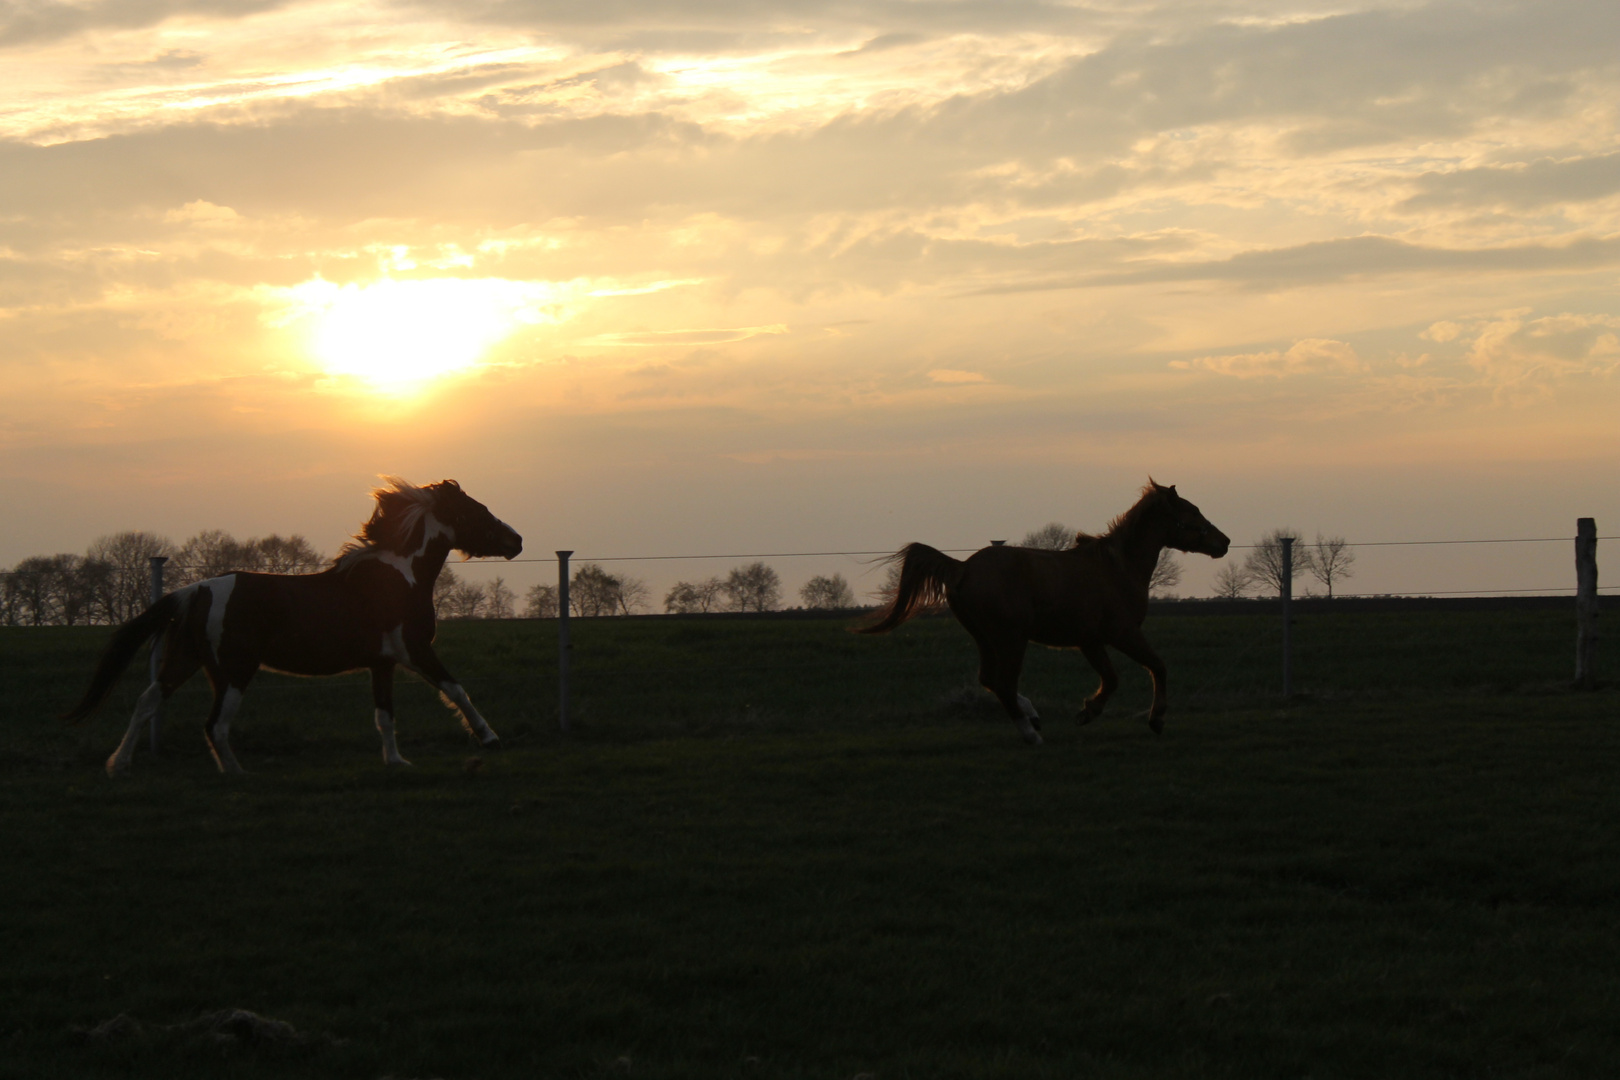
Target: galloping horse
point(371, 609)
point(1087, 597)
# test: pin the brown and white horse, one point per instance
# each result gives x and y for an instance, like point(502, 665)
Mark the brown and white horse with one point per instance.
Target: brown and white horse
point(371, 609)
point(1086, 597)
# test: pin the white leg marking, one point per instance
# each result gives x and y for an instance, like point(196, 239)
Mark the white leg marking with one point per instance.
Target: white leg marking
point(145, 709)
point(385, 725)
point(222, 731)
point(470, 718)
point(1026, 727)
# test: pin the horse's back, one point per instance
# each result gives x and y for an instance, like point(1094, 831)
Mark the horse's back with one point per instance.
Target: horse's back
point(1064, 598)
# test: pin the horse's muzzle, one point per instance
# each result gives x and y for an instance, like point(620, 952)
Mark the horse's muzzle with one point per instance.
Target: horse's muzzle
point(511, 544)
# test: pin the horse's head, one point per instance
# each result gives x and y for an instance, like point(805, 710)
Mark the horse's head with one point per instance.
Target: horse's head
point(1188, 529)
point(474, 530)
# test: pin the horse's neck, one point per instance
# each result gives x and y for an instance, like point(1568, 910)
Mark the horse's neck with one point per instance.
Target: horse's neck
point(429, 562)
point(1137, 545)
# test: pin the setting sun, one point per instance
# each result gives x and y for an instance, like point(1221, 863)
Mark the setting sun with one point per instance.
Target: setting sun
point(395, 335)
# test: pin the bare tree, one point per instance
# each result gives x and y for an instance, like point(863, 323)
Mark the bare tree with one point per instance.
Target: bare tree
point(286, 555)
point(540, 602)
point(126, 590)
point(33, 582)
point(1330, 559)
point(499, 600)
point(1265, 560)
point(884, 593)
point(827, 593)
point(755, 587)
point(693, 597)
point(211, 553)
point(593, 591)
point(1166, 573)
point(1052, 536)
point(1232, 582)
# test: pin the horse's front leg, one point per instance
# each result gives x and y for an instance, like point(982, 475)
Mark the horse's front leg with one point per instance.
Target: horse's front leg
point(1135, 646)
point(382, 698)
point(1097, 656)
point(425, 662)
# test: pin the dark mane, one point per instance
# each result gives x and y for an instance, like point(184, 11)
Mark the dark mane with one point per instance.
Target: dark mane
point(397, 522)
point(1126, 523)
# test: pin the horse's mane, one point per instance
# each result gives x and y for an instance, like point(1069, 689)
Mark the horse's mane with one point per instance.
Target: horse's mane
point(395, 525)
point(1126, 523)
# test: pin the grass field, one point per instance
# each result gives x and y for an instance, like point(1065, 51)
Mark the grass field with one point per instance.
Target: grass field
point(774, 849)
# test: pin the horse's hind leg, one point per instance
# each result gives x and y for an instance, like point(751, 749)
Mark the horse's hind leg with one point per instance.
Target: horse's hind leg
point(999, 666)
point(1098, 657)
point(1137, 648)
point(172, 673)
point(227, 698)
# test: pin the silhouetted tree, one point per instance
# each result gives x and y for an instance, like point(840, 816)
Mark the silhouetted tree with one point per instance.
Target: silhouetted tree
point(1052, 536)
point(286, 555)
point(755, 587)
point(1329, 559)
point(126, 590)
point(693, 597)
point(593, 591)
point(540, 602)
point(1232, 582)
point(498, 600)
point(1265, 560)
point(827, 593)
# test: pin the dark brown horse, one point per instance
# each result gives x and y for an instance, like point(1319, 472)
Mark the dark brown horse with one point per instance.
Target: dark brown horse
point(371, 610)
point(1087, 597)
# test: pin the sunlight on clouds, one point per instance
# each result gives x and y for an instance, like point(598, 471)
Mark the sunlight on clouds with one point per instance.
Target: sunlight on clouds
point(1307, 357)
point(396, 335)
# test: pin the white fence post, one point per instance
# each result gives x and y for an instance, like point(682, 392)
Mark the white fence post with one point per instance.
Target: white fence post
point(1586, 603)
point(564, 646)
point(156, 562)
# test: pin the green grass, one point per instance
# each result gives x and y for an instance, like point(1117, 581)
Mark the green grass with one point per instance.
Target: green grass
point(773, 849)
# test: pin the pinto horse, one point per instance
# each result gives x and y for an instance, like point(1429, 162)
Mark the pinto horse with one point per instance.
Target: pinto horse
point(1086, 597)
point(371, 609)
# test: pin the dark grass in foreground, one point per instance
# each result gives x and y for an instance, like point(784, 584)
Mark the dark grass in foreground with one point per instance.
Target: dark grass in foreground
point(773, 849)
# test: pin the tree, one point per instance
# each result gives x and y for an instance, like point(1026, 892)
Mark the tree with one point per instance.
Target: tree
point(1052, 536)
point(755, 587)
point(593, 591)
point(827, 593)
point(1329, 559)
point(634, 596)
point(540, 602)
point(693, 597)
point(1265, 561)
point(211, 553)
point(127, 587)
point(1232, 581)
point(1166, 573)
point(498, 600)
point(286, 555)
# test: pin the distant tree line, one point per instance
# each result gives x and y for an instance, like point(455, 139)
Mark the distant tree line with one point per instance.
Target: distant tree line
point(1330, 560)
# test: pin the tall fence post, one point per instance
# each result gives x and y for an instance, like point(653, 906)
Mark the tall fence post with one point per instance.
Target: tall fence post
point(1287, 601)
point(564, 646)
point(1586, 604)
point(156, 564)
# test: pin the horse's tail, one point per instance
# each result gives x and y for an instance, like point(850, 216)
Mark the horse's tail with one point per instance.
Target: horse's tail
point(926, 575)
point(121, 650)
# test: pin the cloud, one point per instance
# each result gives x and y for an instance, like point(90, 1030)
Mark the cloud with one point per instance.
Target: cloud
point(1521, 186)
point(1522, 361)
point(952, 375)
point(1312, 356)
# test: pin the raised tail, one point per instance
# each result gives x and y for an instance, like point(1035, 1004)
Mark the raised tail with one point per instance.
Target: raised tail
point(121, 650)
point(926, 576)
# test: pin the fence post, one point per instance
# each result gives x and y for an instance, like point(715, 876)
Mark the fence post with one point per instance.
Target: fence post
point(1586, 604)
point(1287, 595)
point(564, 646)
point(156, 563)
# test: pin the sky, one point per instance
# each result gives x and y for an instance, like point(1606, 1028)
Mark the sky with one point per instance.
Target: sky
point(701, 277)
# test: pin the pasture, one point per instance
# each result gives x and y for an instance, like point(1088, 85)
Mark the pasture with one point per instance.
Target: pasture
point(773, 849)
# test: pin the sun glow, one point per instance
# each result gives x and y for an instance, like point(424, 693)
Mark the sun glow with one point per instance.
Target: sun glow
point(398, 334)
